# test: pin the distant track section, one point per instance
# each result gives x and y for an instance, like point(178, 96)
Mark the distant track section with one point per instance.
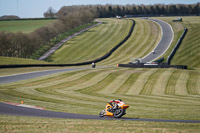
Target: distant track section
point(25, 76)
point(163, 45)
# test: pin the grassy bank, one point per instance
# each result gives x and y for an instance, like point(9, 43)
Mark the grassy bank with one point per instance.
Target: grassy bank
point(143, 40)
point(37, 54)
point(43, 49)
point(13, 60)
point(93, 43)
point(25, 26)
point(188, 52)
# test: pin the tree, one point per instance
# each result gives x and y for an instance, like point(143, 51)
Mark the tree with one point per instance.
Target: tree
point(50, 13)
point(118, 11)
point(140, 10)
point(157, 9)
point(134, 10)
point(110, 11)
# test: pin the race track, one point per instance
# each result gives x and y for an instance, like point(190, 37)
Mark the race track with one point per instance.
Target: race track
point(163, 45)
point(31, 75)
point(6, 109)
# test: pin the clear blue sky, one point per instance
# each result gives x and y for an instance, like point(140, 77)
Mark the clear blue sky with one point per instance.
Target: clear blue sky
point(36, 8)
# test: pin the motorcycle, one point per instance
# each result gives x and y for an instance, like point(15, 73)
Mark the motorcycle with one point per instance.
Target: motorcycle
point(114, 108)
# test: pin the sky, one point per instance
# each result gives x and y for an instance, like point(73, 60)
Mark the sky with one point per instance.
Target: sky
point(36, 8)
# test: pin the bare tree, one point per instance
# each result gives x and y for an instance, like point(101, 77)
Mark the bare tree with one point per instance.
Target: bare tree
point(50, 13)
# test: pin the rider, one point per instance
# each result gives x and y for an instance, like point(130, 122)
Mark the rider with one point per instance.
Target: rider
point(93, 65)
point(114, 103)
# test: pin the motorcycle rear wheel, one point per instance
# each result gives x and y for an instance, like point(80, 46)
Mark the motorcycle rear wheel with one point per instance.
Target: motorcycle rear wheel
point(101, 114)
point(119, 113)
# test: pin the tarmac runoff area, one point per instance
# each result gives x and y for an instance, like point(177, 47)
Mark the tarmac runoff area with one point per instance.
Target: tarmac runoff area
point(11, 109)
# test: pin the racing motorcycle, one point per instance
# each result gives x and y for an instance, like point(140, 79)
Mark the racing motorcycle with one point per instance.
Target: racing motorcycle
point(115, 108)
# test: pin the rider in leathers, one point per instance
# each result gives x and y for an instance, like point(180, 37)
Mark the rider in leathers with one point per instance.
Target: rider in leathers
point(113, 103)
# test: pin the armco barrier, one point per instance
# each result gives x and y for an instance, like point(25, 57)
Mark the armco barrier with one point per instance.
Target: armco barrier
point(76, 64)
point(176, 47)
point(142, 65)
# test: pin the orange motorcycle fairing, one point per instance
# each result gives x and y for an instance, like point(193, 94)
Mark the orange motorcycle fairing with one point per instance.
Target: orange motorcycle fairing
point(118, 111)
point(124, 106)
point(107, 112)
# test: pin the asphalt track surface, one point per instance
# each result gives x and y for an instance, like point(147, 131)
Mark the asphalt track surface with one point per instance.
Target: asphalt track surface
point(7, 109)
point(31, 75)
point(163, 45)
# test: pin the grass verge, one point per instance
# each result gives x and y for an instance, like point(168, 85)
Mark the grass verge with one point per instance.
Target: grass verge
point(13, 60)
point(28, 124)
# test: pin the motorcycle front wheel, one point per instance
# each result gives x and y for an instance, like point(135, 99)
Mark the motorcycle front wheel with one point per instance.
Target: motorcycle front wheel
point(119, 113)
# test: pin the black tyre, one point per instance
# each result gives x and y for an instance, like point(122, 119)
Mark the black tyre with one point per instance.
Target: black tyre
point(101, 114)
point(119, 113)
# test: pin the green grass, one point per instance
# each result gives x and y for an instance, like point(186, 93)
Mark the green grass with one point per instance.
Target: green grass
point(93, 43)
point(151, 93)
point(188, 53)
point(97, 41)
point(176, 98)
point(37, 54)
point(143, 40)
point(25, 26)
point(147, 91)
point(13, 60)
point(27, 124)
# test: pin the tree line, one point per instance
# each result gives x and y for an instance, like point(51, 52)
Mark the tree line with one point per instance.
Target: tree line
point(157, 9)
point(25, 44)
